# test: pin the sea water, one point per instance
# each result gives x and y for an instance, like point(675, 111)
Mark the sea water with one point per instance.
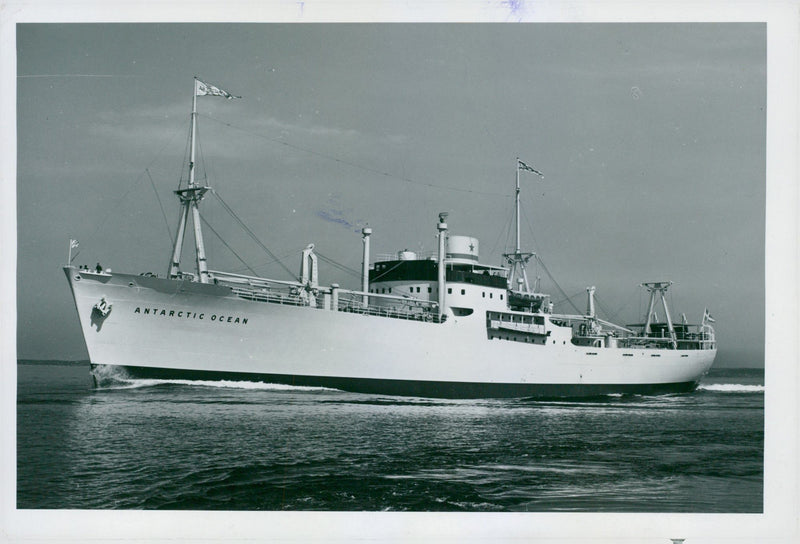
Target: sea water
point(217, 445)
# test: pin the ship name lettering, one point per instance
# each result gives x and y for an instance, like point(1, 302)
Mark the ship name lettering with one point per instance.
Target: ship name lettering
point(189, 315)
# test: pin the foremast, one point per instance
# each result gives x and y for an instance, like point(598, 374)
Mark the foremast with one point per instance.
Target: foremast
point(193, 193)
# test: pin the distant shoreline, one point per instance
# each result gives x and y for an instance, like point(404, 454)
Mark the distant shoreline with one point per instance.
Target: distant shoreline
point(52, 362)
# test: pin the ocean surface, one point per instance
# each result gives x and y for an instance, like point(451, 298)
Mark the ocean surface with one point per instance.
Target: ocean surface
point(215, 445)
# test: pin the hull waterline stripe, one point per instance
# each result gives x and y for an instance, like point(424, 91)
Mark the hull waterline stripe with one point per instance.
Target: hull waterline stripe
point(415, 388)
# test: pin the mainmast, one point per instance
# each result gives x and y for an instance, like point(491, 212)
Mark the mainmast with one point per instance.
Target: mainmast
point(191, 196)
point(518, 259)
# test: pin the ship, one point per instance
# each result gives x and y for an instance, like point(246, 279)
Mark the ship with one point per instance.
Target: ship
point(440, 325)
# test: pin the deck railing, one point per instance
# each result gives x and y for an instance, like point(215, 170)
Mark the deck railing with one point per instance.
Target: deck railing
point(348, 301)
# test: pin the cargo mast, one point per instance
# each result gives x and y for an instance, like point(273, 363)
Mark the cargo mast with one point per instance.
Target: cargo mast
point(519, 259)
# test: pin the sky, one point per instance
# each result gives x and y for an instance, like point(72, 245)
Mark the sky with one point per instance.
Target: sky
point(651, 138)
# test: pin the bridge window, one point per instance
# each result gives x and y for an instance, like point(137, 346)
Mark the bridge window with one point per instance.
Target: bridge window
point(449, 290)
point(483, 294)
point(463, 292)
point(429, 289)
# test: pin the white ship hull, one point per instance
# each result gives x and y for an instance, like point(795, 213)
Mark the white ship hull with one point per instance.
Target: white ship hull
point(182, 329)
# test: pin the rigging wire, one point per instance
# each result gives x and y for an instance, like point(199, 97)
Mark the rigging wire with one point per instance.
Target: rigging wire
point(340, 266)
point(113, 209)
point(116, 205)
point(560, 290)
point(613, 316)
point(351, 163)
point(528, 223)
point(507, 228)
point(568, 298)
point(280, 259)
point(161, 206)
point(185, 158)
point(206, 223)
point(252, 235)
point(602, 308)
point(382, 274)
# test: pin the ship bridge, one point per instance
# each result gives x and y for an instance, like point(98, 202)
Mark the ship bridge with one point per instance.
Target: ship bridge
point(469, 283)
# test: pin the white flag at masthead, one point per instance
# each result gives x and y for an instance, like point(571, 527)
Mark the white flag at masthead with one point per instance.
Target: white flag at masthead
point(206, 89)
point(522, 166)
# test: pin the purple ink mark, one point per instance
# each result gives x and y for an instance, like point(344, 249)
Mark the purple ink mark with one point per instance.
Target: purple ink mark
point(335, 213)
point(334, 216)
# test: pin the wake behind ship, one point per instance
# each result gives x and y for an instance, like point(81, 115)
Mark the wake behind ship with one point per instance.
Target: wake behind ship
point(443, 325)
